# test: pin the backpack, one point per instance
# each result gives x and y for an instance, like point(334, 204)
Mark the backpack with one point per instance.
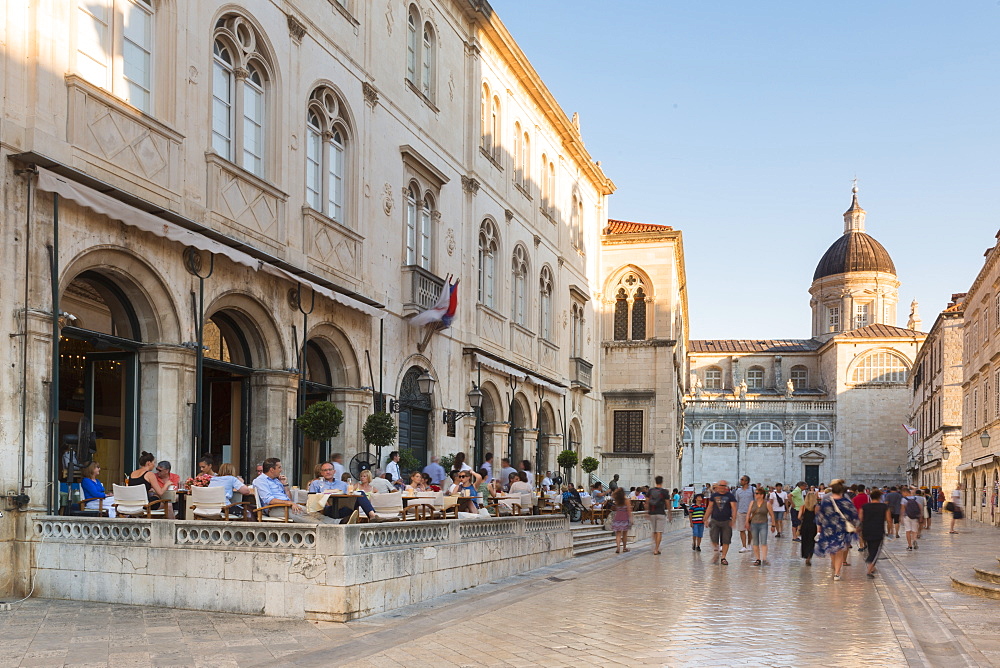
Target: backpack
point(912, 508)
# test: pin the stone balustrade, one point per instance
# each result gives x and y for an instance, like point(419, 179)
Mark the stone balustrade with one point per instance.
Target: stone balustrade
point(327, 571)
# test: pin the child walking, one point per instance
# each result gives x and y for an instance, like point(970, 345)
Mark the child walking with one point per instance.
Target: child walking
point(696, 514)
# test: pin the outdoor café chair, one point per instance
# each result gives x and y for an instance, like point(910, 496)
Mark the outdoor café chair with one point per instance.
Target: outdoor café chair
point(133, 501)
point(209, 503)
point(388, 506)
point(262, 516)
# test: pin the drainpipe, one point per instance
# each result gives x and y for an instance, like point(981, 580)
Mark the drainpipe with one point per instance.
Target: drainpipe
point(24, 332)
point(54, 378)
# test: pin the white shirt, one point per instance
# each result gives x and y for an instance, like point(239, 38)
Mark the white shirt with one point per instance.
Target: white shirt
point(546, 482)
point(489, 471)
point(392, 468)
point(338, 470)
point(783, 506)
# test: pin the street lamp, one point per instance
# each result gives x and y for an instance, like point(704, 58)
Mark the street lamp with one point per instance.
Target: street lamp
point(984, 438)
point(945, 453)
point(451, 416)
point(425, 384)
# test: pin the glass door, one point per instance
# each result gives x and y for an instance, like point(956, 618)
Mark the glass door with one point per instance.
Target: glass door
point(110, 404)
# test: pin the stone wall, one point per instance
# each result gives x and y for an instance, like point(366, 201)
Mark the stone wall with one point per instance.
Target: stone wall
point(324, 572)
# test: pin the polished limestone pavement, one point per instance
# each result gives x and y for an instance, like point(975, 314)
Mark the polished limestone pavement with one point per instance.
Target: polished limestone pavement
point(635, 609)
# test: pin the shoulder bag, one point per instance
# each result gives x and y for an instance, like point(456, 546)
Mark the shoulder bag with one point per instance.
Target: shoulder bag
point(848, 524)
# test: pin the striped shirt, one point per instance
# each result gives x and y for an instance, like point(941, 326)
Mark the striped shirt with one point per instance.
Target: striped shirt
point(697, 514)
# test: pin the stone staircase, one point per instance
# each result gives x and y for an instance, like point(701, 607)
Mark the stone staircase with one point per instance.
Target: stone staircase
point(589, 538)
point(985, 581)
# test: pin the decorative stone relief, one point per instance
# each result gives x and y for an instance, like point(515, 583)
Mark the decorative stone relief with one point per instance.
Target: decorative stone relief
point(193, 75)
point(451, 86)
point(310, 568)
point(370, 92)
point(487, 529)
point(393, 536)
point(538, 240)
point(238, 537)
point(450, 241)
point(296, 29)
point(248, 205)
point(508, 214)
point(333, 245)
point(104, 530)
point(470, 186)
point(387, 201)
point(389, 18)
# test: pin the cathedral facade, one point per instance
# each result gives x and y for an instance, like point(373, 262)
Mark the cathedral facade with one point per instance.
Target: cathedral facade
point(830, 406)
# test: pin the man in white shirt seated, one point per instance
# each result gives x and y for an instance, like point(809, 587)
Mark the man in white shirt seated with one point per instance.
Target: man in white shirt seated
point(547, 481)
point(383, 486)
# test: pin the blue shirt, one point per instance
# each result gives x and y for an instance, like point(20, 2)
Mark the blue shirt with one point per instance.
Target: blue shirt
point(269, 489)
point(230, 482)
point(93, 489)
point(436, 472)
point(321, 485)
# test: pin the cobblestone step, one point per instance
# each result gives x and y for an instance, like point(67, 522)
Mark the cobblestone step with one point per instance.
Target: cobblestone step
point(987, 573)
point(588, 539)
point(963, 583)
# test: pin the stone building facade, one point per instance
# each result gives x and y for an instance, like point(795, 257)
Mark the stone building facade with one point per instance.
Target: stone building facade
point(295, 183)
point(935, 450)
point(830, 406)
point(643, 303)
point(980, 463)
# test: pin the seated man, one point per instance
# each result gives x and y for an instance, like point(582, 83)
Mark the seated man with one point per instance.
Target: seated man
point(326, 480)
point(547, 481)
point(597, 493)
point(382, 486)
point(274, 491)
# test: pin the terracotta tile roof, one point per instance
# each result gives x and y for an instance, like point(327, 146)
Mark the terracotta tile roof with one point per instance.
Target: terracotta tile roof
point(626, 227)
point(879, 330)
point(754, 346)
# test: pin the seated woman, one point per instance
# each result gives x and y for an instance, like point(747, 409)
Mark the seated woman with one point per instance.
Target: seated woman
point(430, 483)
point(467, 482)
point(597, 493)
point(417, 483)
point(326, 480)
point(154, 486)
point(228, 479)
point(94, 489)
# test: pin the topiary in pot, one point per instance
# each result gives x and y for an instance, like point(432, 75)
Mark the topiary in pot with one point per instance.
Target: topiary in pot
point(567, 459)
point(379, 430)
point(589, 465)
point(321, 421)
point(408, 461)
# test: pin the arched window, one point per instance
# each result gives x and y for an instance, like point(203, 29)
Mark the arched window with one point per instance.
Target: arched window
point(518, 153)
point(719, 432)
point(713, 378)
point(545, 303)
point(495, 132)
point(755, 378)
point(639, 314)
point(526, 162)
point(688, 436)
point(577, 333)
point(240, 79)
point(548, 176)
point(412, 44)
point(426, 216)
point(576, 222)
point(519, 281)
point(115, 48)
point(419, 231)
point(621, 315)
point(812, 432)
point(485, 120)
point(800, 377)
point(489, 245)
point(427, 56)
point(630, 312)
point(326, 153)
point(880, 367)
point(765, 432)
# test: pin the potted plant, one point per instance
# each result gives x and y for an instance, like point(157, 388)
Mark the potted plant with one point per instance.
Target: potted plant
point(408, 461)
point(589, 465)
point(567, 459)
point(321, 421)
point(446, 461)
point(379, 430)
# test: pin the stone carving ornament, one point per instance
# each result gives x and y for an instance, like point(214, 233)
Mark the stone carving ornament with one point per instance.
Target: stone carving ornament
point(387, 201)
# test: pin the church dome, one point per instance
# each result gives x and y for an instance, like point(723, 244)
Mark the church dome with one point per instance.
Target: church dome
point(854, 251)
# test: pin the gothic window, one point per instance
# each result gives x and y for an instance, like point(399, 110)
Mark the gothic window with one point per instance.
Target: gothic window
point(518, 153)
point(519, 276)
point(326, 153)
point(833, 318)
point(548, 185)
point(489, 246)
point(765, 432)
point(115, 48)
point(630, 312)
point(800, 377)
point(719, 432)
point(713, 378)
point(639, 315)
point(621, 315)
point(427, 56)
point(861, 314)
point(545, 303)
point(688, 437)
point(419, 229)
point(485, 123)
point(240, 80)
point(880, 367)
point(628, 431)
point(755, 378)
point(495, 133)
point(525, 171)
point(812, 432)
point(420, 53)
point(577, 332)
point(576, 222)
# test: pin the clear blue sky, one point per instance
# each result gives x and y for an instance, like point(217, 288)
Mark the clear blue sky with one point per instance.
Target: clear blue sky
point(742, 124)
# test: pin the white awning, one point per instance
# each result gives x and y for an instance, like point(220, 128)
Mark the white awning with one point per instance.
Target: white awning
point(147, 222)
point(505, 369)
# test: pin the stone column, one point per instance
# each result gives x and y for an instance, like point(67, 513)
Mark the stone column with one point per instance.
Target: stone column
point(553, 446)
point(166, 398)
point(743, 466)
point(498, 444)
point(38, 334)
point(357, 406)
point(272, 410)
point(529, 447)
point(793, 472)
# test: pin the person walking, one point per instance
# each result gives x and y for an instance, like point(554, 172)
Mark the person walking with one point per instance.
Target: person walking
point(758, 516)
point(779, 501)
point(911, 517)
point(621, 520)
point(656, 505)
point(876, 521)
point(744, 497)
point(696, 514)
point(894, 500)
point(956, 507)
point(795, 500)
point(837, 521)
point(722, 518)
point(807, 526)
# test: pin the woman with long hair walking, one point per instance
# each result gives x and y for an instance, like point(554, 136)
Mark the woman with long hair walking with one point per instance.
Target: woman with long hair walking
point(837, 520)
point(758, 516)
point(807, 526)
point(621, 520)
